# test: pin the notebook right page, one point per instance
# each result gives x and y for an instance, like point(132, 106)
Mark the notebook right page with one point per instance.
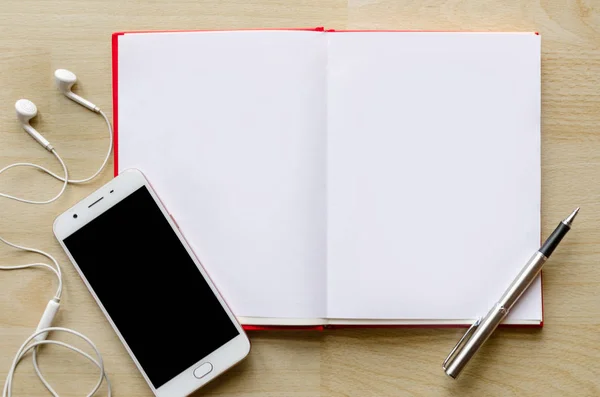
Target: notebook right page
point(433, 174)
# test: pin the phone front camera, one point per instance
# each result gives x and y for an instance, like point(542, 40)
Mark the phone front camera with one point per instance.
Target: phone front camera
point(75, 216)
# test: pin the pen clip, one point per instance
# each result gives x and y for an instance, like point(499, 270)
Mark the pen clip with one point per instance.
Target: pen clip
point(461, 342)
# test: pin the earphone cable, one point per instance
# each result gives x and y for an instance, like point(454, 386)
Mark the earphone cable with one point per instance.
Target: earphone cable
point(26, 110)
point(62, 190)
point(74, 181)
point(56, 269)
point(27, 345)
point(78, 181)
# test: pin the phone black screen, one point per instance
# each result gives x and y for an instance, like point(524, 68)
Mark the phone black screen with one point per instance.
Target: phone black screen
point(150, 287)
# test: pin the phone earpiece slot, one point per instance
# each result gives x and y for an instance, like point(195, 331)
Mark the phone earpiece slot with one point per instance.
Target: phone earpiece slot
point(95, 202)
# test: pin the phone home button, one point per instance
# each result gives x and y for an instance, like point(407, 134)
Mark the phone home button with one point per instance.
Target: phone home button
point(203, 370)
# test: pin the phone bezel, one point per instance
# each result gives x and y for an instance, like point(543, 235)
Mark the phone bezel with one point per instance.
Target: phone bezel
point(101, 201)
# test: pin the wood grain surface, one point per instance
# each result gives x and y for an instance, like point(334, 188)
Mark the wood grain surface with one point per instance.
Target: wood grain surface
point(561, 359)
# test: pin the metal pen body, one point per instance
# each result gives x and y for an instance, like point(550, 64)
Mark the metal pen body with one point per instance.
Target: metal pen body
point(483, 328)
point(486, 326)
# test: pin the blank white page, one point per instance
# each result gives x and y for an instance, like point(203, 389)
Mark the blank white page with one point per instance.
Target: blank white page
point(433, 173)
point(229, 128)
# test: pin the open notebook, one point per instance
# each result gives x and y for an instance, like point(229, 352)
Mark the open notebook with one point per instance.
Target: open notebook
point(342, 178)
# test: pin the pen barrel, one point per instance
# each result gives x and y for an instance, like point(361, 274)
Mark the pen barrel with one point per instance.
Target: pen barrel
point(481, 334)
point(494, 317)
point(520, 284)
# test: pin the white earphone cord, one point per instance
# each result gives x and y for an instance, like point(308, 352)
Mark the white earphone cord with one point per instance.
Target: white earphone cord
point(27, 345)
point(26, 110)
point(32, 343)
point(56, 269)
point(22, 200)
point(64, 179)
point(76, 181)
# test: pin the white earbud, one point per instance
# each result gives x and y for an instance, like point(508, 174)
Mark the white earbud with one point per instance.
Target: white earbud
point(64, 82)
point(26, 110)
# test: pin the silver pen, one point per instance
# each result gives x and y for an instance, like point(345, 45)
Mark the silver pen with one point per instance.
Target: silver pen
point(483, 328)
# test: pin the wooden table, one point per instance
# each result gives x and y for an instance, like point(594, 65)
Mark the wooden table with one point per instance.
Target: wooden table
point(561, 359)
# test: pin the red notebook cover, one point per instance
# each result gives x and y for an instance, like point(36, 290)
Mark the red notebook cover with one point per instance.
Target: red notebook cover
point(250, 327)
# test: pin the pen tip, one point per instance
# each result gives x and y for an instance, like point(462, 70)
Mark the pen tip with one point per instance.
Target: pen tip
point(569, 220)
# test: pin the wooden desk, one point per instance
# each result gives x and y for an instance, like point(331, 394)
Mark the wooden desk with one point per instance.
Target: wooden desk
point(561, 359)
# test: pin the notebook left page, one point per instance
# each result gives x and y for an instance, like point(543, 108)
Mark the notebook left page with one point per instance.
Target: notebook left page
point(229, 127)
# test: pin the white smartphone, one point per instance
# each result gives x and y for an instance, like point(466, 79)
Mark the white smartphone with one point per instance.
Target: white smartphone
point(151, 287)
